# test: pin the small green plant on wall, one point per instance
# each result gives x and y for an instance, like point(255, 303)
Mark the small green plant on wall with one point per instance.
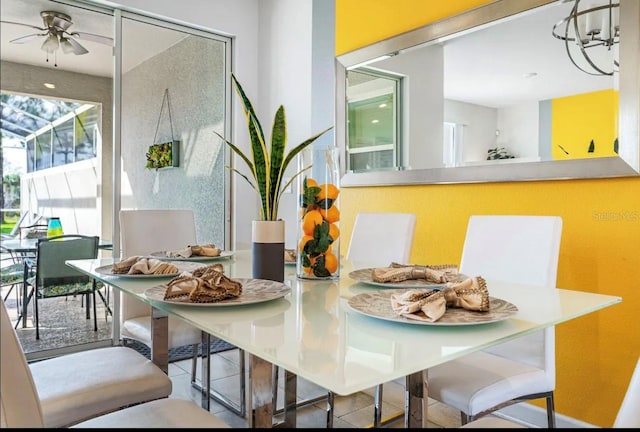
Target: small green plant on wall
point(164, 155)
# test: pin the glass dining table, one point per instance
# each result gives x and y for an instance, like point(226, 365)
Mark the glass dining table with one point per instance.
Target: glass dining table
point(322, 330)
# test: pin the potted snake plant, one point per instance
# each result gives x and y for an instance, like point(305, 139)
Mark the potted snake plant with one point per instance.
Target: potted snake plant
point(267, 164)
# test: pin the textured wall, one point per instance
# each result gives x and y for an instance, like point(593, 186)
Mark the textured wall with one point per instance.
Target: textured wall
point(192, 70)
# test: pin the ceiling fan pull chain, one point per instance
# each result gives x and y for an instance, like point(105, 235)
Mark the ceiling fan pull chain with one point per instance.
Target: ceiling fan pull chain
point(164, 98)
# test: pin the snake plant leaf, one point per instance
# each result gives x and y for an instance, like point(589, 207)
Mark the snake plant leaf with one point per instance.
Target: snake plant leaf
point(278, 142)
point(294, 152)
point(246, 103)
point(243, 176)
point(258, 149)
point(267, 166)
point(237, 151)
point(261, 165)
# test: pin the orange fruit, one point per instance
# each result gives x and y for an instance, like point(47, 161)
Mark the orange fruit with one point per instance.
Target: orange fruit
point(311, 182)
point(309, 270)
point(310, 220)
point(331, 215)
point(331, 262)
point(303, 241)
point(334, 231)
point(329, 191)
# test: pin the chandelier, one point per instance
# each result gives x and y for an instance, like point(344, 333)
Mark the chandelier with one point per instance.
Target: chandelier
point(590, 35)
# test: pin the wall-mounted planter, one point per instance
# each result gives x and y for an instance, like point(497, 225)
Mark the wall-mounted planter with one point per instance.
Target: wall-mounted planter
point(165, 155)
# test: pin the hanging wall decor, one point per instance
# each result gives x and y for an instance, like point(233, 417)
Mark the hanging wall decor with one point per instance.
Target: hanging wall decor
point(167, 154)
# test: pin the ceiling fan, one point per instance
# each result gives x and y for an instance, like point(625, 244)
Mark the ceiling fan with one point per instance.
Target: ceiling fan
point(56, 35)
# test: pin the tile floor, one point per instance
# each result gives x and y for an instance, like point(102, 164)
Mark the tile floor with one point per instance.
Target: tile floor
point(354, 411)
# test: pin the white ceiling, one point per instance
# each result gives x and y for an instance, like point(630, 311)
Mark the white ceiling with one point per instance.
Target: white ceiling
point(140, 41)
point(491, 67)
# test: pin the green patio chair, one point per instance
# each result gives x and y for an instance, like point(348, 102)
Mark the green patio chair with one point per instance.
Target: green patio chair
point(53, 278)
point(11, 273)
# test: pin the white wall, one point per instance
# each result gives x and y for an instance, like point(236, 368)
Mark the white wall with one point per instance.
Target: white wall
point(518, 126)
point(479, 130)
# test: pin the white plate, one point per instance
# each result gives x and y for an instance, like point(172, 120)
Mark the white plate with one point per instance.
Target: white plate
point(364, 276)
point(108, 271)
point(253, 291)
point(162, 255)
point(377, 304)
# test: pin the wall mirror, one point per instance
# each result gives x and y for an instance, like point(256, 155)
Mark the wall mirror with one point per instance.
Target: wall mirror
point(494, 95)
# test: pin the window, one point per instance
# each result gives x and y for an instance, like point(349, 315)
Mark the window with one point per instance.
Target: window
point(373, 109)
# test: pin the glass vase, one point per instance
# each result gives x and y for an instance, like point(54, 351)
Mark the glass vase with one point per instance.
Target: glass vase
point(318, 214)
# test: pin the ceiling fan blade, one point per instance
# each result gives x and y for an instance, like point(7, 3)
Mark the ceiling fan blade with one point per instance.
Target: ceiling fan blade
point(93, 37)
point(24, 25)
point(70, 45)
point(27, 38)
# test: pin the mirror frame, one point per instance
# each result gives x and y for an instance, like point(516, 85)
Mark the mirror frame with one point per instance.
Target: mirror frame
point(625, 165)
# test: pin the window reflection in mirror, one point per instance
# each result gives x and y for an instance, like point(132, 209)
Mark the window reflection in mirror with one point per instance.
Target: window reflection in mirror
point(374, 119)
point(507, 88)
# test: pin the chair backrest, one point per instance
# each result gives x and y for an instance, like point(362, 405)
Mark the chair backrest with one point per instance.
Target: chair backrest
point(143, 232)
point(629, 413)
point(513, 248)
point(19, 402)
point(521, 249)
point(53, 252)
point(146, 231)
point(378, 239)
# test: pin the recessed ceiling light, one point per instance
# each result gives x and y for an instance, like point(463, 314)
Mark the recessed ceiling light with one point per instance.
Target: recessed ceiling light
point(375, 121)
point(49, 85)
point(382, 105)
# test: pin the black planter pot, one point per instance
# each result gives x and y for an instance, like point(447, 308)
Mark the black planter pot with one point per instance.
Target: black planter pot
point(267, 250)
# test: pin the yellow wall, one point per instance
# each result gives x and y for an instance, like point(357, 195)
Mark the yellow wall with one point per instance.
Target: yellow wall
point(600, 250)
point(578, 119)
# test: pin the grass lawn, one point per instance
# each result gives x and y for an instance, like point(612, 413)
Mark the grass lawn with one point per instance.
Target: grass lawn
point(9, 222)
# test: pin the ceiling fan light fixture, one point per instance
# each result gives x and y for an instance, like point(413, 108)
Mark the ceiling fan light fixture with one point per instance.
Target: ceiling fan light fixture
point(51, 43)
point(66, 46)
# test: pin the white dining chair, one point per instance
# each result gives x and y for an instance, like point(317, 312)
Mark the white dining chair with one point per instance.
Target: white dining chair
point(511, 248)
point(95, 406)
point(377, 240)
point(380, 238)
point(146, 231)
point(628, 416)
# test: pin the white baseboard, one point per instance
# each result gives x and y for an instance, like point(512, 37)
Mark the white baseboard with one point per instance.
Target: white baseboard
point(536, 417)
